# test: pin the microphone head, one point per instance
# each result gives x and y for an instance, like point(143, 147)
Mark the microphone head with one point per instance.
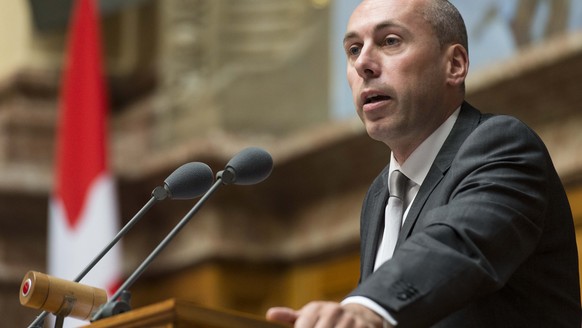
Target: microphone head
point(251, 165)
point(189, 181)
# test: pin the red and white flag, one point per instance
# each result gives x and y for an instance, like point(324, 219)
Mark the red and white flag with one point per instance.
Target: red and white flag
point(83, 214)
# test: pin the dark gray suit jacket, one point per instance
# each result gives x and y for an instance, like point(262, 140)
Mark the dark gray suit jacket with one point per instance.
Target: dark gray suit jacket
point(488, 241)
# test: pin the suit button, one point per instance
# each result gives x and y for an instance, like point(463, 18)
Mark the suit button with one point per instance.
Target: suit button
point(403, 296)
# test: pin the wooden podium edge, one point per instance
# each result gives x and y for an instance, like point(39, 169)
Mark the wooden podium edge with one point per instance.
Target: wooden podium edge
point(178, 313)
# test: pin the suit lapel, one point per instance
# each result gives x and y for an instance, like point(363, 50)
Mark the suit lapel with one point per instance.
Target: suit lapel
point(373, 224)
point(467, 121)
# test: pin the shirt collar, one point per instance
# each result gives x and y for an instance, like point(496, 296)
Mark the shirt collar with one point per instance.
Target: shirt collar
point(418, 164)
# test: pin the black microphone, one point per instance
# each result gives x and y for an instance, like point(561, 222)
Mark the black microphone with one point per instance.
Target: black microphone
point(250, 166)
point(186, 182)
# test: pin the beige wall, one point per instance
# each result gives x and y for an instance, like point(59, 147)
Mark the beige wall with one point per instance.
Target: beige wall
point(15, 36)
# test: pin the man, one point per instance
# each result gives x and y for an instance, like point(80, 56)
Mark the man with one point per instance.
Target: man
point(487, 238)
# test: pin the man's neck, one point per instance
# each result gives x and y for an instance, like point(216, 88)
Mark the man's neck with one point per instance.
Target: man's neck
point(403, 149)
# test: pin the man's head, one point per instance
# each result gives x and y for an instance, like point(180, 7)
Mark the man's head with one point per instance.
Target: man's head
point(407, 63)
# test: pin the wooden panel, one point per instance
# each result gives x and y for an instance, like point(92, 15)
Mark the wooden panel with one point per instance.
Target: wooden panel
point(575, 198)
point(200, 285)
point(328, 279)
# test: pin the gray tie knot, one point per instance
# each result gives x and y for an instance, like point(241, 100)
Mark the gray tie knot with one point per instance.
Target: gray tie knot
point(398, 184)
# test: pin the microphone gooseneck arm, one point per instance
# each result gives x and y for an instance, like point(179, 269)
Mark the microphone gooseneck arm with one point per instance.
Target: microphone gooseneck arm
point(137, 273)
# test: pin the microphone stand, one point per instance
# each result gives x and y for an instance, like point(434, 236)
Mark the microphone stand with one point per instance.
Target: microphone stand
point(159, 193)
point(117, 305)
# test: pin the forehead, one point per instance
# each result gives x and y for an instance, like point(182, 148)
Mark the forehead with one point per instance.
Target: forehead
point(370, 14)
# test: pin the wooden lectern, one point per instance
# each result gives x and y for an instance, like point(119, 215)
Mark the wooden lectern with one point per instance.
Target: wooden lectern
point(179, 314)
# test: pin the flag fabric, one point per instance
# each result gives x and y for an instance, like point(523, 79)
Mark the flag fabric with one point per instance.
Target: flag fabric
point(83, 215)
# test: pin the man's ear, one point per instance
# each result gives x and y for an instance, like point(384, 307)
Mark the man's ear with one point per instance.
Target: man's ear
point(458, 64)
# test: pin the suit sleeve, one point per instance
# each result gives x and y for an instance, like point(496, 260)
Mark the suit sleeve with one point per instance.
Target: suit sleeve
point(482, 220)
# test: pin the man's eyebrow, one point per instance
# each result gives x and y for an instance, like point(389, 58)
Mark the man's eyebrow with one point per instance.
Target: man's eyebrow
point(350, 35)
point(380, 26)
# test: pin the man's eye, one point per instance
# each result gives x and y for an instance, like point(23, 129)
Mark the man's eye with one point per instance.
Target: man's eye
point(353, 50)
point(391, 41)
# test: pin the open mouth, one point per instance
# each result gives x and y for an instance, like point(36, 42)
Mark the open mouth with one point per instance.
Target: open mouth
point(375, 99)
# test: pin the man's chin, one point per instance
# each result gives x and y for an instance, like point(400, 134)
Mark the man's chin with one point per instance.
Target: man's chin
point(378, 132)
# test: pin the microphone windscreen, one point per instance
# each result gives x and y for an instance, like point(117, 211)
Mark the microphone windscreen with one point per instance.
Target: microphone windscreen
point(251, 165)
point(189, 181)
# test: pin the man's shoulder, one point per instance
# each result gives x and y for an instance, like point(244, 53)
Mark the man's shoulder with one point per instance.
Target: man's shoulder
point(490, 125)
point(505, 126)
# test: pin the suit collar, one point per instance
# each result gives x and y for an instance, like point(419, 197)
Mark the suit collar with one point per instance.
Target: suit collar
point(467, 121)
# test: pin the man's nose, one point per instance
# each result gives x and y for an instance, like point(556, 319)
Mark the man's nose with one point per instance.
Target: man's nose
point(367, 65)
